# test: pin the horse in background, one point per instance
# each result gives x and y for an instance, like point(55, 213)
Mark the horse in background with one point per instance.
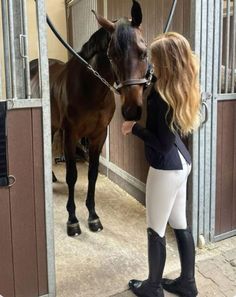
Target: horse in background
point(82, 106)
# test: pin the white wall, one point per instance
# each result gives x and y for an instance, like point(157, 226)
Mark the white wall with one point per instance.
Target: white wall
point(56, 12)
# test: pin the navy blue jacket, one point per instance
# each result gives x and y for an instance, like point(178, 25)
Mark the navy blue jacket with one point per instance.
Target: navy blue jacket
point(161, 144)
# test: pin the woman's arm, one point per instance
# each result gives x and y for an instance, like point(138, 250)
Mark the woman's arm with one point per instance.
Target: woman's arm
point(160, 145)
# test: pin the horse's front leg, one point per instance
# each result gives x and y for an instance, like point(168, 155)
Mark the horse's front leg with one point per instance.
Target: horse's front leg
point(95, 147)
point(73, 227)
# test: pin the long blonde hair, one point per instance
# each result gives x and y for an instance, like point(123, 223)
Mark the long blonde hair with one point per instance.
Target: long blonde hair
point(177, 68)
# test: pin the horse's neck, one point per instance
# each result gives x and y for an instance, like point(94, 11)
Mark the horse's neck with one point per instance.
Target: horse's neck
point(102, 65)
point(89, 85)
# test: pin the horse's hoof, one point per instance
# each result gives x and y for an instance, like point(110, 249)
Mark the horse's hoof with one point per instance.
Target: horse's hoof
point(73, 229)
point(95, 225)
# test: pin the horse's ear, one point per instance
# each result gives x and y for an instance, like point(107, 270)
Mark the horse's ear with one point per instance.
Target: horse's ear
point(106, 24)
point(136, 13)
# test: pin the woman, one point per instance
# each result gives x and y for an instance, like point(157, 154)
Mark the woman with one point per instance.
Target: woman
point(172, 109)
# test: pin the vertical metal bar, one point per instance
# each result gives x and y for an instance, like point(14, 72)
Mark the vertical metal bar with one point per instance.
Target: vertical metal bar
point(196, 18)
point(12, 48)
point(218, 16)
point(1, 70)
point(227, 46)
point(208, 126)
point(105, 5)
point(6, 49)
point(202, 129)
point(26, 48)
point(105, 13)
point(221, 46)
point(1, 92)
point(44, 83)
point(233, 48)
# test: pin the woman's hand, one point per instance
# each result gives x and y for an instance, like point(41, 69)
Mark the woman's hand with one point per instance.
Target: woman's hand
point(127, 127)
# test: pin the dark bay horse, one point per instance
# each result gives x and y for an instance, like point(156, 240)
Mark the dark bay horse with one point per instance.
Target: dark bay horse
point(82, 106)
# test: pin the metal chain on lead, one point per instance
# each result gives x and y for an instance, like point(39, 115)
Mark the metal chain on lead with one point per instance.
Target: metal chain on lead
point(103, 80)
point(149, 79)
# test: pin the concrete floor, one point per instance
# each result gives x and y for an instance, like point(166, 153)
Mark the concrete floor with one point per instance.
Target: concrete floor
point(101, 264)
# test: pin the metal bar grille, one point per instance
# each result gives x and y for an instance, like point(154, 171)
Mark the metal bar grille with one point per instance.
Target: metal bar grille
point(12, 48)
point(25, 47)
point(221, 51)
point(16, 80)
point(233, 47)
point(6, 48)
point(1, 89)
point(227, 45)
point(227, 77)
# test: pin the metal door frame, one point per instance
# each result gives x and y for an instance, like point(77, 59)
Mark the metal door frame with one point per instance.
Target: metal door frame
point(218, 96)
point(206, 41)
point(46, 110)
point(205, 17)
point(15, 100)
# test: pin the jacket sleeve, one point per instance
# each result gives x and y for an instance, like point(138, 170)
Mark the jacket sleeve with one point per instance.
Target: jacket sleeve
point(162, 145)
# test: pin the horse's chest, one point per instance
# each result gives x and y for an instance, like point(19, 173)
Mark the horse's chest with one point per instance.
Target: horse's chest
point(91, 123)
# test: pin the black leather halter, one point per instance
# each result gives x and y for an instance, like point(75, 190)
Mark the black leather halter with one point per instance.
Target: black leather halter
point(137, 81)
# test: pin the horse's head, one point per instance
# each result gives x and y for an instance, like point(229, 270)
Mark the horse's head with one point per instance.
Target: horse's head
point(127, 52)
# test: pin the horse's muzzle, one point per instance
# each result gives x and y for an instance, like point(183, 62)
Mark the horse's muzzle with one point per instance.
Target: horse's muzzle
point(131, 113)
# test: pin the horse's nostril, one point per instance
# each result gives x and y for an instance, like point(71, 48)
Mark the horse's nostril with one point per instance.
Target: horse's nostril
point(131, 113)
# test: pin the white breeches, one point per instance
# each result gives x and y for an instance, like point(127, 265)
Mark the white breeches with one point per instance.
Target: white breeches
point(166, 198)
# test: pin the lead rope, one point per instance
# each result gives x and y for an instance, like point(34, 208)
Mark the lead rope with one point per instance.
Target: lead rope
point(89, 67)
point(73, 52)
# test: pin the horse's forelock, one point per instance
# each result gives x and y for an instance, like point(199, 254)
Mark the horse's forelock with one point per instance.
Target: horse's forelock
point(123, 35)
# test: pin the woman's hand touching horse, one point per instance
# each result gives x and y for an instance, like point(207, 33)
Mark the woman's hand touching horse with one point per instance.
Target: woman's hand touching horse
point(127, 127)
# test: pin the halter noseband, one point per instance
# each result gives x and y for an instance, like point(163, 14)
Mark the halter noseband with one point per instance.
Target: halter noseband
point(136, 81)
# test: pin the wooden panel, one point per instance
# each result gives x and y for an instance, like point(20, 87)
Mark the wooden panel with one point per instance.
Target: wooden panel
point(219, 167)
point(6, 261)
point(23, 258)
point(226, 167)
point(22, 203)
point(39, 201)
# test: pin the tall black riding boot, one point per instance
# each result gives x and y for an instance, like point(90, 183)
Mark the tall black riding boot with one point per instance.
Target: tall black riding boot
point(156, 259)
point(185, 285)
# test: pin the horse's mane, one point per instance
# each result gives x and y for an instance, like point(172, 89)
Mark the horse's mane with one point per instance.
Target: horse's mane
point(98, 42)
point(123, 36)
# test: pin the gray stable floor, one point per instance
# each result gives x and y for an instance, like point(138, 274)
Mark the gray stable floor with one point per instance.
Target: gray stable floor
point(101, 264)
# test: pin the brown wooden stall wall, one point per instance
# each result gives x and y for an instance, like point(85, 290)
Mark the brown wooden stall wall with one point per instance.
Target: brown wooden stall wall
point(127, 152)
point(23, 260)
point(226, 167)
